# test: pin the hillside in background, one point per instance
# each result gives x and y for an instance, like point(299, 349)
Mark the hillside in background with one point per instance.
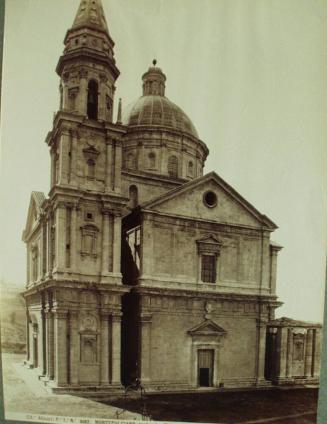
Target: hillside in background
point(13, 319)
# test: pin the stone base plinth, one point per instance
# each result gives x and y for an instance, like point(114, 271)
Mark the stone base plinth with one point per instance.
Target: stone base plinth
point(89, 391)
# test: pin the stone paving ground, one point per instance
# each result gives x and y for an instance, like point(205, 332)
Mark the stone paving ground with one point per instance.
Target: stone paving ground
point(23, 394)
point(277, 406)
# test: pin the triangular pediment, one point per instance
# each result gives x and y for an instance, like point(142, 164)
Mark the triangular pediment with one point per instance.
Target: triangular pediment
point(34, 212)
point(209, 239)
point(227, 207)
point(207, 327)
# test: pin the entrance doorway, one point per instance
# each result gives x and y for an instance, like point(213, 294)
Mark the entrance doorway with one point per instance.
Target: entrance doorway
point(205, 367)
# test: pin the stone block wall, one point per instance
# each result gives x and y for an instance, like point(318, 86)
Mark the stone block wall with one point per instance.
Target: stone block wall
point(168, 343)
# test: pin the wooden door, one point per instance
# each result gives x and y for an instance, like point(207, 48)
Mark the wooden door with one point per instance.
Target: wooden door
point(205, 367)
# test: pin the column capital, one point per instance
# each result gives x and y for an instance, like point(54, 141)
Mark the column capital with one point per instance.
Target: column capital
point(73, 313)
point(261, 322)
point(116, 316)
point(109, 139)
point(104, 314)
point(60, 313)
point(106, 212)
point(145, 317)
point(70, 205)
point(48, 312)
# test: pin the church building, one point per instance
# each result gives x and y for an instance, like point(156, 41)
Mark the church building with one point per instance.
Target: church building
point(138, 264)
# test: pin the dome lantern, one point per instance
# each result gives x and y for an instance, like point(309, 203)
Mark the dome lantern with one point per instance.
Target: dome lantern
point(154, 81)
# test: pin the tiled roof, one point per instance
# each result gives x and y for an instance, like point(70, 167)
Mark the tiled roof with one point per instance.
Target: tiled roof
point(289, 322)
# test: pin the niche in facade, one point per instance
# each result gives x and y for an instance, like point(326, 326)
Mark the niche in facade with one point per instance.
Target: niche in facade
point(91, 155)
point(89, 240)
point(88, 339)
point(133, 196)
point(173, 166)
point(130, 162)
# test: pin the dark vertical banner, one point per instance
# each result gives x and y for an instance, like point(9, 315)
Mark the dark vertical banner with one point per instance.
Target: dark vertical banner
point(2, 21)
point(322, 402)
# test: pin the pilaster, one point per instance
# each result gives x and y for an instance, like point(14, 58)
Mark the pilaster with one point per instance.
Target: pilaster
point(262, 330)
point(60, 237)
point(73, 239)
point(49, 319)
point(28, 347)
point(117, 244)
point(64, 147)
point(105, 242)
point(317, 353)
point(73, 159)
point(281, 352)
point(44, 248)
point(74, 340)
point(118, 165)
point(102, 98)
point(308, 353)
point(109, 166)
point(289, 361)
point(82, 96)
point(145, 347)
point(115, 348)
point(61, 347)
point(104, 373)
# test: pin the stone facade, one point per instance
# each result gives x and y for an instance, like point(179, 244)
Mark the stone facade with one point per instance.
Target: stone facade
point(138, 265)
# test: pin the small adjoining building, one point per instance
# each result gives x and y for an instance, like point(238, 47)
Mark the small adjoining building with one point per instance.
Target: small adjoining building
point(138, 265)
point(293, 351)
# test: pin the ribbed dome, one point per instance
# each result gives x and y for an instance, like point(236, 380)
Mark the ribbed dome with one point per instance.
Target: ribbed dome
point(156, 110)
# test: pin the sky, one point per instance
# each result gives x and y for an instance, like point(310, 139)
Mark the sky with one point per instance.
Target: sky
point(251, 75)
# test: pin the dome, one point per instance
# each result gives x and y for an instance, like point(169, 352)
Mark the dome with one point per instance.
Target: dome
point(156, 110)
point(153, 109)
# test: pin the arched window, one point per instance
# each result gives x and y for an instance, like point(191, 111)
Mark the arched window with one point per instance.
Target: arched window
point(92, 100)
point(90, 169)
point(173, 166)
point(190, 169)
point(130, 161)
point(133, 196)
point(152, 160)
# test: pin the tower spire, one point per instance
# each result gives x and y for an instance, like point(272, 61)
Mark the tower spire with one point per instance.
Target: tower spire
point(87, 67)
point(90, 14)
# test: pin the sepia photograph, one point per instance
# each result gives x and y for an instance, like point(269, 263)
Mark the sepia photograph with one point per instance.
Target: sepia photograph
point(164, 210)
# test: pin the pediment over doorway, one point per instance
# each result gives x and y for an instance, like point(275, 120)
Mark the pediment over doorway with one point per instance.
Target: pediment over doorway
point(207, 328)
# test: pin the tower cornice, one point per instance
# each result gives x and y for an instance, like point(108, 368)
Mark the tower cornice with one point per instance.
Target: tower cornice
point(87, 55)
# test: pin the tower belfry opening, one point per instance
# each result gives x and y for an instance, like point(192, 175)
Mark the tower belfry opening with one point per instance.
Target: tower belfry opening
point(92, 100)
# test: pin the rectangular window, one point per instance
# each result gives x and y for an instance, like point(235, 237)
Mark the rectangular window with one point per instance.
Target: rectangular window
point(208, 268)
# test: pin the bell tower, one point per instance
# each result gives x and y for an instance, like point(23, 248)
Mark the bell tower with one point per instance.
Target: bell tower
point(87, 67)
point(74, 283)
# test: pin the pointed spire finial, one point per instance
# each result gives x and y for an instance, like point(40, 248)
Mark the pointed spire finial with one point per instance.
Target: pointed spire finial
point(90, 14)
point(119, 114)
point(154, 62)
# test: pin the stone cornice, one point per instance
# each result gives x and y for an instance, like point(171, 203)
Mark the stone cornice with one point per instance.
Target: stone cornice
point(119, 289)
point(87, 55)
point(205, 224)
point(78, 123)
point(269, 300)
point(176, 182)
point(150, 129)
point(67, 194)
